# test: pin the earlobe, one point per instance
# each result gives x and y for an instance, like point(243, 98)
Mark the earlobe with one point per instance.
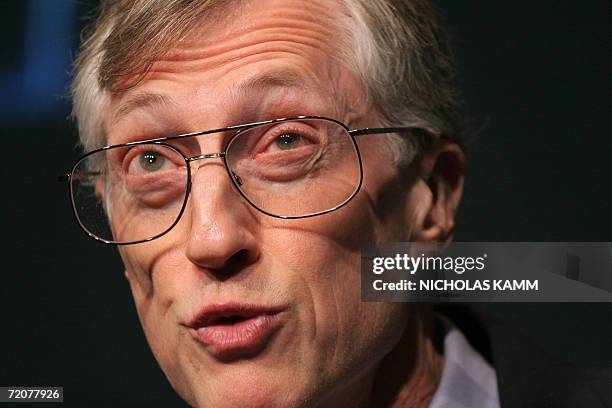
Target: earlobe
point(442, 168)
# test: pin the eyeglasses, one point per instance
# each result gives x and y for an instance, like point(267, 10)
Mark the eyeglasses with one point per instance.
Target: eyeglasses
point(288, 168)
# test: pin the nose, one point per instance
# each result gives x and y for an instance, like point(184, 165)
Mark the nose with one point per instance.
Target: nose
point(222, 236)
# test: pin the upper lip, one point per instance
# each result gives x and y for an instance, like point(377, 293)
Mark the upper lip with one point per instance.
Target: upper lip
point(212, 313)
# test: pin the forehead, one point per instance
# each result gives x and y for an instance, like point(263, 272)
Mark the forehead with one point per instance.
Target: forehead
point(255, 47)
point(281, 26)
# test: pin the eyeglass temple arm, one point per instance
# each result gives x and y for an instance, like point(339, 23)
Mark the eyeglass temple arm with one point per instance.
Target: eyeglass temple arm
point(69, 176)
point(374, 131)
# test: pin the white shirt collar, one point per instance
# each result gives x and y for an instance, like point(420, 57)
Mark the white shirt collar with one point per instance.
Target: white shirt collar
point(467, 381)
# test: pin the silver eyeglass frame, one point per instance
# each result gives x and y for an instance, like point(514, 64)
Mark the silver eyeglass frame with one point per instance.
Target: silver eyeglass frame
point(68, 177)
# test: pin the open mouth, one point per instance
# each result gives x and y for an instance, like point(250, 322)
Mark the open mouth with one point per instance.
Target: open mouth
point(228, 320)
point(235, 329)
point(223, 317)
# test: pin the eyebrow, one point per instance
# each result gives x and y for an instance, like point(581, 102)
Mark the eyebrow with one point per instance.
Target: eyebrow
point(143, 100)
point(283, 79)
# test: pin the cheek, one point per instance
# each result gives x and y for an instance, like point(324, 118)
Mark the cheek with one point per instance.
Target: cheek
point(321, 262)
point(155, 276)
point(157, 281)
point(364, 329)
point(139, 261)
point(387, 195)
point(370, 331)
point(351, 336)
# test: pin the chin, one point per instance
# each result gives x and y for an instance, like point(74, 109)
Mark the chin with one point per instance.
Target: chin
point(251, 391)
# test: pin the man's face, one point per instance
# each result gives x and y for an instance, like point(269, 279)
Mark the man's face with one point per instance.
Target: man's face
point(306, 337)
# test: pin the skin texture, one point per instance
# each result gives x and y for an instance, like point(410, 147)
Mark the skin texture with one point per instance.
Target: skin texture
point(266, 60)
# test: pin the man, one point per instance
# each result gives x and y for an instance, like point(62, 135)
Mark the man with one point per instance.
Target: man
point(241, 186)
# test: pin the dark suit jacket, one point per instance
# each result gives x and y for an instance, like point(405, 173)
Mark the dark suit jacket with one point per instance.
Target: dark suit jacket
point(527, 376)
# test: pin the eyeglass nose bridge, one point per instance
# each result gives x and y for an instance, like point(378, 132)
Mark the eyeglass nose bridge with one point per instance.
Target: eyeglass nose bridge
point(236, 177)
point(206, 156)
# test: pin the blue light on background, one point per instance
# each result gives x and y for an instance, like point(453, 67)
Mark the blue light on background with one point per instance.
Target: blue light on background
point(36, 87)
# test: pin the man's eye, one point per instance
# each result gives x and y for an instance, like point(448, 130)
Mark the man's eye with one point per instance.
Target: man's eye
point(151, 161)
point(141, 162)
point(287, 141)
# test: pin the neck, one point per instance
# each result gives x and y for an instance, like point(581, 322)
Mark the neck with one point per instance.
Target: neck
point(409, 375)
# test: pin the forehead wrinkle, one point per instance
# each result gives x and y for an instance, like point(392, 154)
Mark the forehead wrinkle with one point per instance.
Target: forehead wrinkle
point(279, 29)
point(269, 24)
point(265, 45)
point(242, 42)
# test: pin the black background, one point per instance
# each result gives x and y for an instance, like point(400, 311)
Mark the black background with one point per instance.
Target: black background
point(535, 74)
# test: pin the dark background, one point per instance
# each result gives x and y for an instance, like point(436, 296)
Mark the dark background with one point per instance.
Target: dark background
point(535, 74)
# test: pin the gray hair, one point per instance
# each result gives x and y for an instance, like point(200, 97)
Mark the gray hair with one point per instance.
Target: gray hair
point(397, 48)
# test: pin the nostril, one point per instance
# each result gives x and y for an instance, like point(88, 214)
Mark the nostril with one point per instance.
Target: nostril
point(239, 260)
point(232, 266)
point(242, 256)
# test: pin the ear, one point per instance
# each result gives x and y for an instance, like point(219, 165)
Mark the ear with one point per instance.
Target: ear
point(441, 168)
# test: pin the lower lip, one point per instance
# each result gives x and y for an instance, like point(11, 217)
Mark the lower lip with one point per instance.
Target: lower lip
point(247, 335)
